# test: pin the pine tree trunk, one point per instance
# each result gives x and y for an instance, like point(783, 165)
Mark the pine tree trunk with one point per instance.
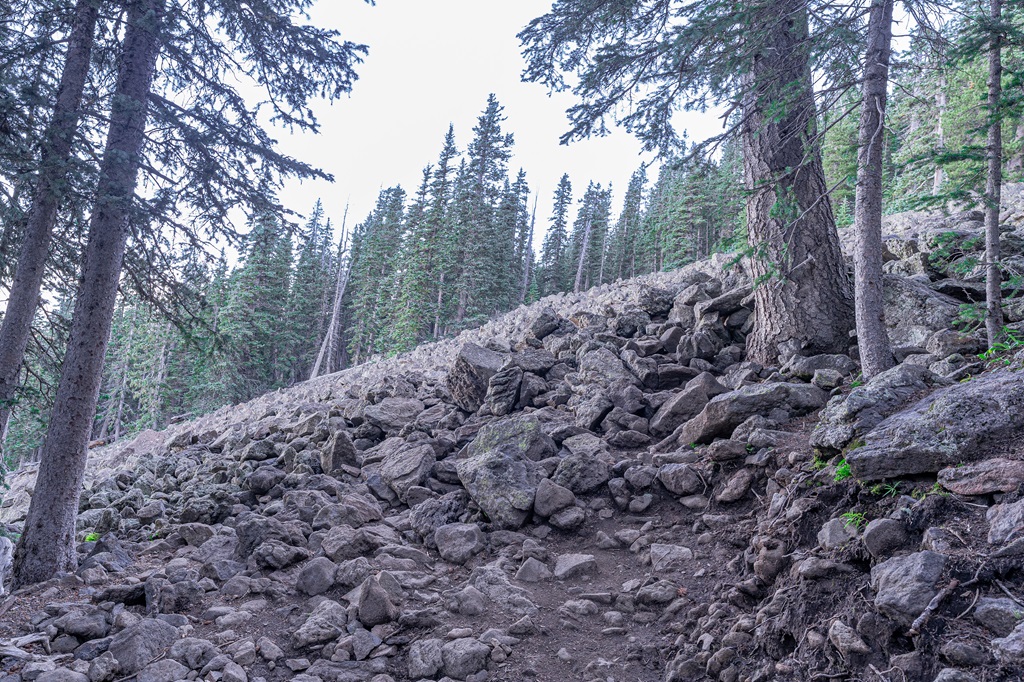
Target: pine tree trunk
point(50, 188)
point(325, 360)
point(872, 337)
point(940, 135)
point(47, 545)
point(993, 186)
point(583, 256)
point(527, 255)
point(803, 297)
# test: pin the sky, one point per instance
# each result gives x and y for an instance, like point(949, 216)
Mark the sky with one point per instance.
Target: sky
point(431, 64)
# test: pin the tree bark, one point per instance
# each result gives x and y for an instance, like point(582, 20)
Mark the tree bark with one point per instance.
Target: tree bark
point(50, 189)
point(872, 338)
point(940, 134)
point(578, 283)
point(993, 185)
point(803, 298)
point(47, 545)
point(325, 360)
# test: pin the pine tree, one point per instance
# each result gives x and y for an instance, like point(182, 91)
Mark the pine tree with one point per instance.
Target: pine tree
point(488, 247)
point(376, 247)
point(622, 248)
point(554, 265)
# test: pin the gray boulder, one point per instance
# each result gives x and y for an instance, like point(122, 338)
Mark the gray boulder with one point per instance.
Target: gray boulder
point(464, 657)
point(946, 428)
point(138, 645)
point(391, 414)
point(845, 419)
point(905, 585)
point(470, 375)
point(326, 622)
point(402, 469)
point(999, 615)
point(913, 311)
point(724, 413)
point(458, 542)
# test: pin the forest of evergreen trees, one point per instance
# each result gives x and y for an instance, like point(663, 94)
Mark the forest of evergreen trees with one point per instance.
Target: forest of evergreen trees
point(420, 267)
point(460, 249)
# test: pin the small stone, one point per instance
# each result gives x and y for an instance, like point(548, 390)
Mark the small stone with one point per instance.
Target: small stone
point(998, 615)
point(846, 640)
point(666, 557)
point(533, 571)
point(458, 542)
point(882, 537)
point(317, 576)
point(836, 533)
point(464, 657)
point(572, 565)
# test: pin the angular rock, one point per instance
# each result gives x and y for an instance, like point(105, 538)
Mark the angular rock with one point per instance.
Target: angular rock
point(501, 480)
point(882, 537)
point(680, 408)
point(905, 585)
point(375, 606)
point(844, 420)
point(983, 478)
point(458, 542)
point(317, 576)
point(503, 391)
point(326, 622)
point(667, 557)
point(464, 657)
point(405, 468)
point(520, 435)
point(680, 479)
point(338, 452)
point(999, 615)
point(469, 377)
point(551, 498)
point(425, 658)
point(724, 413)
point(391, 414)
point(1009, 650)
point(805, 367)
point(581, 473)
point(533, 571)
point(1005, 522)
point(138, 645)
point(571, 565)
point(166, 670)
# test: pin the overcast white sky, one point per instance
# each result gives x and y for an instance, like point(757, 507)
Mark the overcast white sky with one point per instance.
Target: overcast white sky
point(431, 63)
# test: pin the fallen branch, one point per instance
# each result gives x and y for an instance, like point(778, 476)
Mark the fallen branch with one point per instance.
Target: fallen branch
point(933, 605)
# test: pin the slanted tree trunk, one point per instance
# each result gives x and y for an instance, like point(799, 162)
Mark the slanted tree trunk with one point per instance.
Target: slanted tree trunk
point(993, 185)
point(583, 257)
point(803, 298)
point(872, 338)
point(325, 359)
point(50, 188)
point(47, 545)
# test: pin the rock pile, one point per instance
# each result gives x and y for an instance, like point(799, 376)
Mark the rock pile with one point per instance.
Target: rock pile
point(597, 487)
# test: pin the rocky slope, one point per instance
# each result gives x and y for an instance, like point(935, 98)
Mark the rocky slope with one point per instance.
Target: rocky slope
point(596, 487)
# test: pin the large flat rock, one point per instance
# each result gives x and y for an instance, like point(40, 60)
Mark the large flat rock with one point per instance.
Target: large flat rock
point(951, 426)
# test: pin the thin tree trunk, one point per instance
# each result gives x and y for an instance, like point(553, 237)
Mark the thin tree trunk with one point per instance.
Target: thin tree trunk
point(940, 135)
point(47, 545)
point(50, 188)
point(437, 310)
point(803, 301)
point(993, 186)
point(325, 360)
point(583, 256)
point(527, 254)
point(872, 337)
